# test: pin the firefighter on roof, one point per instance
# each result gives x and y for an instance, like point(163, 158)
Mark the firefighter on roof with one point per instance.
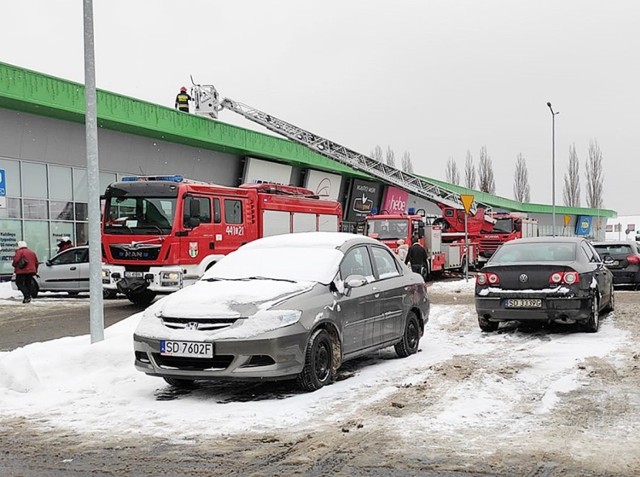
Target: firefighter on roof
point(182, 100)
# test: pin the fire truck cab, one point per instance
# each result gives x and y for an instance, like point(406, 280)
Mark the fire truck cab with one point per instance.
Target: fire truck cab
point(161, 233)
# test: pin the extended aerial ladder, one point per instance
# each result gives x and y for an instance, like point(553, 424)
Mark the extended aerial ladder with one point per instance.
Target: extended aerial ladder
point(208, 103)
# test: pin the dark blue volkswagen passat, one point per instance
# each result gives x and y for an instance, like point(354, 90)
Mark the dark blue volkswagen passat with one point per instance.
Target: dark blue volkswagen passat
point(292, 306)
point(544, 279)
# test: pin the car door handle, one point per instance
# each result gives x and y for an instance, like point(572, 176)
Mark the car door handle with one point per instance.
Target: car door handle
point(73, 268)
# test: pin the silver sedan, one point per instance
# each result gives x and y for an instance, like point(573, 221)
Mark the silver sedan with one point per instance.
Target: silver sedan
point(292, 306)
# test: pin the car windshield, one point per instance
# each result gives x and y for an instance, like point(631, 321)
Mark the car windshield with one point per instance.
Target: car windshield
point(139, 215)
point(513, 252)
point(384, 229)
point(311, 264)
point(503, 225)
point(613, 249)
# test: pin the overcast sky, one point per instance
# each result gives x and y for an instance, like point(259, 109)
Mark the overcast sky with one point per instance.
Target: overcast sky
point(434, 78)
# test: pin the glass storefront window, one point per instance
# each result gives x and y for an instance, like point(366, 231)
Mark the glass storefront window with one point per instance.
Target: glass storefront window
point(12, 178)
point(80, 193)
point(61, 210)
point(35, 209)
point(34, 180)
point(82, 234)
point(10, 233)
point(36, 234)
point(106, 178)
point(60, 183)
point(59, 230)
point(13, 210)
point(82, 211)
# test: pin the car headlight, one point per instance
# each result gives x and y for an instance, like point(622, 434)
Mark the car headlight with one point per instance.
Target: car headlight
point(273, 319)
point(170, 279)
point(106, 273)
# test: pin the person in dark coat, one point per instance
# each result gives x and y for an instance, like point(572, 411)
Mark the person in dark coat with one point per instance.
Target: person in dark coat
point(25, 264)
point(182, 100)
point(64, 244)
point(417, 257)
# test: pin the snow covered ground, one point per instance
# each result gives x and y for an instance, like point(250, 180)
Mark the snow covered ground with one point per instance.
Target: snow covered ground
point(70, 383)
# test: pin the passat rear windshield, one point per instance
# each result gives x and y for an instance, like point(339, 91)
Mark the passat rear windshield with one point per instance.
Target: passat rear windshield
point(513, 252)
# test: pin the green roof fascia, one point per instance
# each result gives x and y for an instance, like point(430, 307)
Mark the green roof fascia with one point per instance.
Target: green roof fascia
point(32, 92)
point(515, 206)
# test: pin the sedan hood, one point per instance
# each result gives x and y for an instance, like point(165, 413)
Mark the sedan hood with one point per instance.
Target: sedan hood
point(227, 298)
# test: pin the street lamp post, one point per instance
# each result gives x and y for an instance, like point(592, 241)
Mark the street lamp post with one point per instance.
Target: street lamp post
point(553, 165)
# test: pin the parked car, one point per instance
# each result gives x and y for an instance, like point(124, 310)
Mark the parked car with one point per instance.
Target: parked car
point(292, 306)
point(544, 279)
point(622, 257)
point(67, 271)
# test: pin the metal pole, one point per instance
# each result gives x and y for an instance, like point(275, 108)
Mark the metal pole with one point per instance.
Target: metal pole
point(466, 249)
point(93, 180)
point(553, 166)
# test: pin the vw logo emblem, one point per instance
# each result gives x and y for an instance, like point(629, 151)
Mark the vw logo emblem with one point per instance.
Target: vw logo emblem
point(524, 278)
point(192, 325)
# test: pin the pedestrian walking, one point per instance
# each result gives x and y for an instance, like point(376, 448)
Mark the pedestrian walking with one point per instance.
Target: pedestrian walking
point(401, 250)
point(418, 257)
point(25, 265)
point(182, 100)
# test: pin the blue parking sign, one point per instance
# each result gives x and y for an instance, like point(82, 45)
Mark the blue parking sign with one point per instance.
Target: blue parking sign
point(3, 183)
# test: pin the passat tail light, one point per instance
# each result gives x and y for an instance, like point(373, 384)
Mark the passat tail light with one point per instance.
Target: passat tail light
point(633, 259)
point(483, 278)
point(567, 278)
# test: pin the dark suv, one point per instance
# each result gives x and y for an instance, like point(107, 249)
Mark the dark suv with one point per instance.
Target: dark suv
point(624, 262)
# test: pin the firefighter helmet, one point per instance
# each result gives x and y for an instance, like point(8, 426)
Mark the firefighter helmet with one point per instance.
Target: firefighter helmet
point(183, 89)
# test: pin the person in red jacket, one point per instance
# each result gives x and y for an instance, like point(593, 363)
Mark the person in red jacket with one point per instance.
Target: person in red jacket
point(25, 264)
point(64, 244)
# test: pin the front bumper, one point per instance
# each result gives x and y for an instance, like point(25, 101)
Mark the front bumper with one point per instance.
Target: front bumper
point(161, 280)
point(566, 309)
point(278, 354)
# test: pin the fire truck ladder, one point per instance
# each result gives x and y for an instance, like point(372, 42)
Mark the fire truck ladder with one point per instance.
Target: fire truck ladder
point(210, 105)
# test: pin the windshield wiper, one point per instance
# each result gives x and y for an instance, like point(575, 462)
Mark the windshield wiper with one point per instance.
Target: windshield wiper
point(269, 278)
point(245, 279)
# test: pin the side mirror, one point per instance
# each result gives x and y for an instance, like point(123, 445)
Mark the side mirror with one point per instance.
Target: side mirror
point(192, 220)
point(354, 281)
point(608, 260)
point(48, 263)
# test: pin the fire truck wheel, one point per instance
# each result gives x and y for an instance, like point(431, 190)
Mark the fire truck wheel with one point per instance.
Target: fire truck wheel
point(142, 299)
point(109, 294)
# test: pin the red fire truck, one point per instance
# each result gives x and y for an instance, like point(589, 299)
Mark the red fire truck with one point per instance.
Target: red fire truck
point(389, 228)
point(160, 233)
point(488, 230)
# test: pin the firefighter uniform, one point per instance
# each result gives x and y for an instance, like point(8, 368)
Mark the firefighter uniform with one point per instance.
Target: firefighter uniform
point(182, 100)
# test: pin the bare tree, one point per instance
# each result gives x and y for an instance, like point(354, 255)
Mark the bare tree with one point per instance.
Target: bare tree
point(486, 182)
point(469, 172)
point(407, 165)
point(571, 190)
point(521, 190)
point(391, 157)
point(453, 176)
point(595, 176)
point(376, 154)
